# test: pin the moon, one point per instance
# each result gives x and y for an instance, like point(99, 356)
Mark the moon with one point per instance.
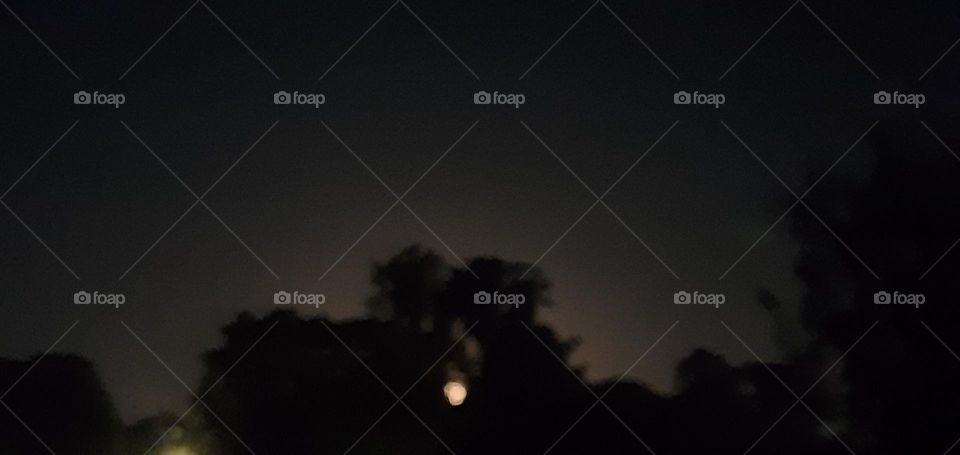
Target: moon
point(455, 392)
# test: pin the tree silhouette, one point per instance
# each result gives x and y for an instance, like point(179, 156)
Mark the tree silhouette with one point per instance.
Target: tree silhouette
point(315, 385)
point(62, 401)
point(902, 382)
point(303, 390)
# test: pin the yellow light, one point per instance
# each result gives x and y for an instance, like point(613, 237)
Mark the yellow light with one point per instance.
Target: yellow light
point(178, 451)
point(455, 393)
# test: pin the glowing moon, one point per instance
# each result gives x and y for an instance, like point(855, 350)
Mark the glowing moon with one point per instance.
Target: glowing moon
point(455, 393)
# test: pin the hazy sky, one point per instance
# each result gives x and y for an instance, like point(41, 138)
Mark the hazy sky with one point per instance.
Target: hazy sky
point(200, 94)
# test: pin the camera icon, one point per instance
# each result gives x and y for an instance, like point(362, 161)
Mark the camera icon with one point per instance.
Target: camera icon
point(282, 97)
point(682, 97)
point(82, 97)
point(881, 298)
point(882, 97)
point(482, 298)
point(482, 97)
point(82, 298)
point(682, 298)
point(281, 298)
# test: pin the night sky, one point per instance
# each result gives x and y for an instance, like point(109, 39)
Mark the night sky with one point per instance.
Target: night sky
point(287, 197)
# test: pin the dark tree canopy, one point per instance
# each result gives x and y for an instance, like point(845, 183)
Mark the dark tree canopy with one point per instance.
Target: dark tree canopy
point(315, 385)
point(63, 401)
